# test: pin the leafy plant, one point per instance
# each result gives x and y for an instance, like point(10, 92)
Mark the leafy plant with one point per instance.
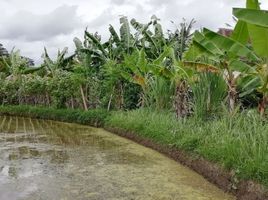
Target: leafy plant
point(255, 23)
point(224, 54)
point(209, 92)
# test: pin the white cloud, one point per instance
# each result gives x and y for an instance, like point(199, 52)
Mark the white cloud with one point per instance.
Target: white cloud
point(25, 25)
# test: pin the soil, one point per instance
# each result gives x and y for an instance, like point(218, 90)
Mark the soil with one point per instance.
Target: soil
point(225, 180)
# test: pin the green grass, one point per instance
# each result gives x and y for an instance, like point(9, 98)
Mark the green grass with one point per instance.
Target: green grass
point(238, 143)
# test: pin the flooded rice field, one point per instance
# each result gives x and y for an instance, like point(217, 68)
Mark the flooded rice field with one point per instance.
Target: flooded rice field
point(47, 160)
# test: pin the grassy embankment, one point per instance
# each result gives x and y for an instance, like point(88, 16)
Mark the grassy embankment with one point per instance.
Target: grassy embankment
point(238, 143)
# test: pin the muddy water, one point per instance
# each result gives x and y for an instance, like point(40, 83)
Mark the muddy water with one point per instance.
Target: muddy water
point(46, 160)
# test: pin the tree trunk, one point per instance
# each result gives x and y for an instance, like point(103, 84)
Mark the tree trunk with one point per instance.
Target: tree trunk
point(262, 106)
point(48, 99)
point(180, 102)
point(83, 98)
point(110, 100)
point(232, 93)
point(72, 102)
point(121, 103)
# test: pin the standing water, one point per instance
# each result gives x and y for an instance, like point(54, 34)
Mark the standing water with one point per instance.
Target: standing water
point(47, 160)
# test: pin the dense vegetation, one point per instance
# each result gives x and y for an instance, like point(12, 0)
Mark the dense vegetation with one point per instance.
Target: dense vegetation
point(194, 89)
point(181, 71)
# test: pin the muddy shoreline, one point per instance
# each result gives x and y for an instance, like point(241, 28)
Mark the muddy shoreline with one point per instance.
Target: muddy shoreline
point(225, 180)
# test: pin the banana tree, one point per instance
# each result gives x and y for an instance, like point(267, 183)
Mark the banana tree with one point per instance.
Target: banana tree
point(99, 53)
point(13, 65)
point(166, 71)
point(102, 60)
point(150, 37)
point(254, 28)
point(150, 75)
point(91, 56)
point(225, 54)
point(180, 39)
point(135, 69)
point(122, 43)
point(167, 68)
point(180, 76)
point(61, 63)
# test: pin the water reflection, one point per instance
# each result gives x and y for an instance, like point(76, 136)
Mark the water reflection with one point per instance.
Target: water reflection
point(42, 159)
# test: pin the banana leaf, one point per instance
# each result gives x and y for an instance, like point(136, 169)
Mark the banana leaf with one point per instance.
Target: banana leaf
point(252, 16)
point(257, 25)
point(240, 32)
point(229, 45)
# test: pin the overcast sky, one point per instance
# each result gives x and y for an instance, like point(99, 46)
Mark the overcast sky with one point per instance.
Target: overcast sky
point(30, 25)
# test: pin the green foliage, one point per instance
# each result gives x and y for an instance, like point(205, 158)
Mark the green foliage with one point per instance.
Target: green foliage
point(208, 94)
point(35, 90)
point(64, 86)
point(13, 65)
point(160, 93)
point(240, 33)
point(61, 63)
point(256, 21)
point(10, 91)
point(141, 66)
point(257, 26)
point(181, 38)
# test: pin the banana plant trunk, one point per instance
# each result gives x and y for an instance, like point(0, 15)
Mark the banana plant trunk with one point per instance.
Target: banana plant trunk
point(110, 99)
point(232, 93)
point(262, 105)
point(181, 102)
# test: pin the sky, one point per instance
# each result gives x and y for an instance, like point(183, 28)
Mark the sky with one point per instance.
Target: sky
point(31, 25)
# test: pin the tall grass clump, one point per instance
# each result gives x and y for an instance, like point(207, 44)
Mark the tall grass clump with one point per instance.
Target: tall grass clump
point(208, 94)
point(159, 93)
